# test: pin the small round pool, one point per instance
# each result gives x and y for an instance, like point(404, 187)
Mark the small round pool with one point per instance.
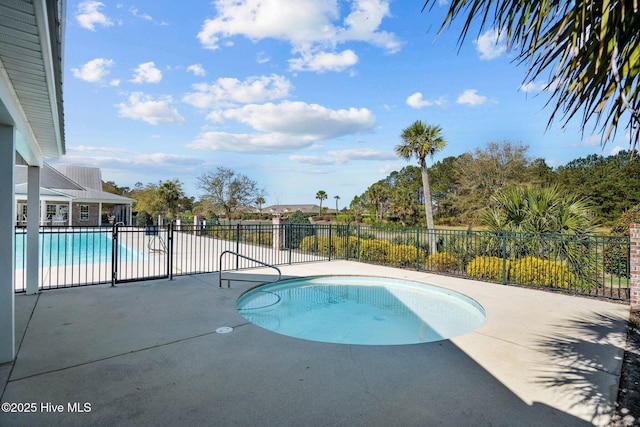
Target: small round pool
point(360, 310)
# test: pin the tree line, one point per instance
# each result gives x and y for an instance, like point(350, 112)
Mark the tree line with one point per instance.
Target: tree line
point(465, 187)
point(224, 193)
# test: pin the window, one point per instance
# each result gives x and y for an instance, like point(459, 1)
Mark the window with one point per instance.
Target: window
point(84, 212)
point(51, 211)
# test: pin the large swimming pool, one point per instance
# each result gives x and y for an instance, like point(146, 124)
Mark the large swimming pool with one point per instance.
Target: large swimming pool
point(361, 310)
point(74, 248)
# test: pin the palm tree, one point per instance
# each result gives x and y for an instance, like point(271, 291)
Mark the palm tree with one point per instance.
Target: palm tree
point(544, 210)
point(260, 201)
point(589, 48)
point(378, 196)
point(321, 195)
point(539, 210)
point(420, 140)
point(170, 192)
point(337, 198)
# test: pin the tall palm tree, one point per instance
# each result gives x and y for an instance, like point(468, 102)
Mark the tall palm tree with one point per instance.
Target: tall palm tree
point(337, 198)
point(321, 195)
point(420, 140)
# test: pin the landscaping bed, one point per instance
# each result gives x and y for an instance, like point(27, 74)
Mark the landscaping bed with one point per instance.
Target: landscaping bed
point(628, 404)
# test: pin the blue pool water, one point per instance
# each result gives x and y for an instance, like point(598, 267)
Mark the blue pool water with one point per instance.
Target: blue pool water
point(361, 310)
point(77, 248)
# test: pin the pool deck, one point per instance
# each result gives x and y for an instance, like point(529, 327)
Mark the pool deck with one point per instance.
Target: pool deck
point(148, 353)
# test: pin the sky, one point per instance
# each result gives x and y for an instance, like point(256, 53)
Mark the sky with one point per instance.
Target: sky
point(298, 95)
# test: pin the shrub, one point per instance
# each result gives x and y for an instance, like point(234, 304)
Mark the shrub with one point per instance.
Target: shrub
point(405, 255)
point(259, 238)
point(540, 272)
point(309, 244)
point(410, 240)
point(143, 219)
point(489, 267)
point(223, 233)
point(346, 247)
point(375, 250)
point(443, 261)
point(616, 257)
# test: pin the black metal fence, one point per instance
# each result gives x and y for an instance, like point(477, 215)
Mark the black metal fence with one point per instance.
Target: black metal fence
point(596, 265)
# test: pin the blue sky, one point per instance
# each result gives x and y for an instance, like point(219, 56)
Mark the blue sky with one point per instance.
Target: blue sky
point(299, 95)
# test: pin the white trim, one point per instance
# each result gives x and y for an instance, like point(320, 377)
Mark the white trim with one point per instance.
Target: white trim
point(44, 33)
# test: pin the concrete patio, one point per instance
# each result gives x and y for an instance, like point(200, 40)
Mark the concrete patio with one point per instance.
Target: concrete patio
point(147, 353)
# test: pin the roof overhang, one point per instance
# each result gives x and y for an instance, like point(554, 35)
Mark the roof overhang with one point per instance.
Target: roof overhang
point(31, 64)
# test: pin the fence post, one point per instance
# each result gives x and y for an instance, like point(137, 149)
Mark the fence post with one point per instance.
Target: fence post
point(278, 236)
point(238, 231)
point(114, 255)
point(503, 236)
point(417, 249)
point(358, 244)
point(634, 266)
point(170, 250)
point(329, 244)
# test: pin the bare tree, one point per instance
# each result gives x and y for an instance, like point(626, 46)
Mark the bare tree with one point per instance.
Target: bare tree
point(228, 190)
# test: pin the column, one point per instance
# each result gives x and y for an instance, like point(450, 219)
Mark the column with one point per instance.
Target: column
point(634, 266)
point(7, 237)
point(43, 212)
point(33, 229)
point(278, 239)
point(99, 214)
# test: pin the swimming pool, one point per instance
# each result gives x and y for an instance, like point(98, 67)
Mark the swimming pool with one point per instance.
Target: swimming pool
point(74, 248)
point(361, 310)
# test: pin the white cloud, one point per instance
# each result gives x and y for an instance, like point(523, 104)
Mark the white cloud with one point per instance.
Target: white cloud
point(416, 101)
point(129, 166)
point(537, 86)
point(144, 107)
point(93, 71)
point(592, 141)
point(285, 127)
point(249, 143)
point(147, 73)
point(89, 149)
point(88, 15)
point(299, 118)
point(615, 150)
point(390, 167)
point(491, 44)
point(262, 58)
point(471, 97)
point(310, 26)
point(135, 12)
point(228, 91)
point(337, 157)
point(363, 22)
point(196, 69)
point(324, 61)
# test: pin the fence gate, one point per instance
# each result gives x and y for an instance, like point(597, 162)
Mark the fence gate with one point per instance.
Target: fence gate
point(140, 253)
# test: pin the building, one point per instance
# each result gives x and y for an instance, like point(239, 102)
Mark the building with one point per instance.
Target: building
point(31, 129)
point(286, 210)
point(71, 195)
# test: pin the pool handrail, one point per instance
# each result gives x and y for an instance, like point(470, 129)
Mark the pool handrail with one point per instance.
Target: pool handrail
point(247, 258)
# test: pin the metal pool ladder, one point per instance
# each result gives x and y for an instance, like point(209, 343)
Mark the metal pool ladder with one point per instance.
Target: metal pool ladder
point(247, 258)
